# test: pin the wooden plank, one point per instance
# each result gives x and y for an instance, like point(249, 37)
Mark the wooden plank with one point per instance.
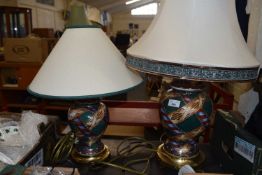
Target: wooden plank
point(4, 64)
point(133, 113)
point(131, 104)
point(134, 116)
point(125, 131)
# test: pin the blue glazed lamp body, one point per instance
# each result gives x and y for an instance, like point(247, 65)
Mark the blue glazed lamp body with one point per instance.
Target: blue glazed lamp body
point(89, 121)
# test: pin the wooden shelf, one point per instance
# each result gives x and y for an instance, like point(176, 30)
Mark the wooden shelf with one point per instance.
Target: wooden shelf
point(23, 106)
point(15, 22)
point(4, 64)
point(12, 88)
point(134, 113)
point(17, 76)
point(131, 113)
point(60, 108)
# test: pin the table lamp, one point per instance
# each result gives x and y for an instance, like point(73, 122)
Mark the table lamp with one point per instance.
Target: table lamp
point(84, 65)
point(194, 41)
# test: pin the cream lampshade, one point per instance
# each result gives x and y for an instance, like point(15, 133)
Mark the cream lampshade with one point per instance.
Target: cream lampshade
point(84, 65)
point(195, 39)
point(191, 40)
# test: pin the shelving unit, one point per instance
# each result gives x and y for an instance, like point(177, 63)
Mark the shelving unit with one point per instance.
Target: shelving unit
point(14, 79)
point(14, 22)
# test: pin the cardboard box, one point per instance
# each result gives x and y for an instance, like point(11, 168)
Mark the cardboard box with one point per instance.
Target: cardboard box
point(27, 49)
point(237, 150)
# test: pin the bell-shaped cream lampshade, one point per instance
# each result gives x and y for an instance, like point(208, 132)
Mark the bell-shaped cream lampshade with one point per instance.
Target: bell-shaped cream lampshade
point(83, 64)
point(195, 39)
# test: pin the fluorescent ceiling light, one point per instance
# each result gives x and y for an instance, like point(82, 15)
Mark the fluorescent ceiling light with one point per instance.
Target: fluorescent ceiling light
point(149, 9)
point(131, 2)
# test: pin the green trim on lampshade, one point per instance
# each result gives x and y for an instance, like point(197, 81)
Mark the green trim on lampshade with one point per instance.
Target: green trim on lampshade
point(78, 19)
point(84, 97)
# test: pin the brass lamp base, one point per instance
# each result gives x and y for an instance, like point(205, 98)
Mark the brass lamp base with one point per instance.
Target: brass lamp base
point(104, 154)
point(177, 162)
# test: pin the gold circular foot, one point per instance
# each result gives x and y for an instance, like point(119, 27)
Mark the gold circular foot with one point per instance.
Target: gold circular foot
point(177, 162)
point(104, 154)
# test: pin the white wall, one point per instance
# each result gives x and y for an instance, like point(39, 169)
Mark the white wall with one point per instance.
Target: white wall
point(8, 3)
point(120, 22)
point(45, 16)
point(254, 41)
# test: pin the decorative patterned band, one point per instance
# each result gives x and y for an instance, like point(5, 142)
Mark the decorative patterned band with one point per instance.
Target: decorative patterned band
point(192, 72)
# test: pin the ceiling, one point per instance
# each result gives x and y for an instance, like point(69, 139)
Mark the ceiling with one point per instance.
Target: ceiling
point(116, 6)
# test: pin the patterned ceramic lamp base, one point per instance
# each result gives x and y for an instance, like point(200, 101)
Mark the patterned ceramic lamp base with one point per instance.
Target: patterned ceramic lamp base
point(185, 112)
point(89, 121)
point(177, 162)
point(87, 159)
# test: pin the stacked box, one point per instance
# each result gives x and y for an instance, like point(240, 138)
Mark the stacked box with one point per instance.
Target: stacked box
point(237, 150)
point(28, 49)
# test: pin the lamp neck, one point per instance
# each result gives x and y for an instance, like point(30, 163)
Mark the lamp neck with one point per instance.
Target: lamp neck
point(88, 101)
point(78, 18)
point(189, 86)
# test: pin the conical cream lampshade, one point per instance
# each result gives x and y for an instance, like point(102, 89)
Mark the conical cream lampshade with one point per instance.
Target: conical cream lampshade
point(195, 39)
point(83, 64)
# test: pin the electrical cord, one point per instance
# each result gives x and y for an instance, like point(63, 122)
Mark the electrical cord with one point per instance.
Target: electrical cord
point(128, 150)
point(63, 148)
point(133, 147)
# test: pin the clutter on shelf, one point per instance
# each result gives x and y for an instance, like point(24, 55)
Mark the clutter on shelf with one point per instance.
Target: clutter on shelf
point(21, 138)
